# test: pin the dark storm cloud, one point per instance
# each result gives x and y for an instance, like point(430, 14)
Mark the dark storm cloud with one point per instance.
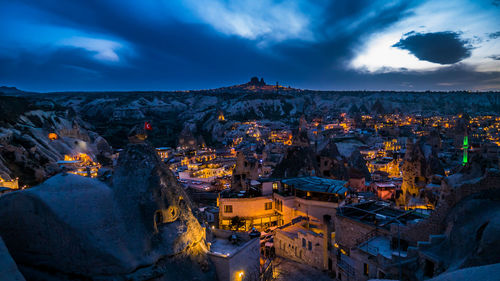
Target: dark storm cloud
point(164, 50)
point(494, 35)
point(329, 57)
point(183, 55)
point(440, 47)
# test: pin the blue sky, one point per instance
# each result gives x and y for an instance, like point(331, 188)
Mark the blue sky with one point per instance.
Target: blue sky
point(53, 45)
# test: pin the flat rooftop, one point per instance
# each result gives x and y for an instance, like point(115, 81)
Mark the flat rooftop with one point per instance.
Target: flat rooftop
point(224, 247)
point(293, 230)
point(380, 245)
point(68, 161)
point(317, 184)
point(378, 213)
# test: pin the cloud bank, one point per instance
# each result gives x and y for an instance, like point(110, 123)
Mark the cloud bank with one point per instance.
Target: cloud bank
point(322, 44)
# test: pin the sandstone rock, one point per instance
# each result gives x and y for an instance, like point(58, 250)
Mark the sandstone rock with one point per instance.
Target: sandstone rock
point(138, 228)
point(8, 268)
point(31, 154)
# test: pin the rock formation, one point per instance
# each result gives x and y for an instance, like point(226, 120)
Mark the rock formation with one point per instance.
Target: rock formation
point(245, 170)
point(298, 161)
point(463, 230)
point(139, 227)
point(419, 164)
point(186, 139)
point(36, 139)
point(254, 81)
point(331, 163)
point(357, 162)
point(8, 268)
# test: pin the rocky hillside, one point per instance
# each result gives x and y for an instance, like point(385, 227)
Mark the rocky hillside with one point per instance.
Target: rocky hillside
point(34, 135)
point(113, 113)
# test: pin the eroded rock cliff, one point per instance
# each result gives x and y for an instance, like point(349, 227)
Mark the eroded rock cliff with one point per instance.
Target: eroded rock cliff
point(137, 228)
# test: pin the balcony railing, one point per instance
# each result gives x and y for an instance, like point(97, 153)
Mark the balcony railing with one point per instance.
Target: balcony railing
point(366, 237)
point(347, 268)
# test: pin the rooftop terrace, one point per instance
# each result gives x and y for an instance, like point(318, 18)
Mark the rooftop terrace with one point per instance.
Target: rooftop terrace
point(316, 184)
point(378, 213)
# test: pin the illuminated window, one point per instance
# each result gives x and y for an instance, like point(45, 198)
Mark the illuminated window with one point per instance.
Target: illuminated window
point(228, 208)
point(269, 206)
point(366, 269)
point(52, 136)
point(275, 185)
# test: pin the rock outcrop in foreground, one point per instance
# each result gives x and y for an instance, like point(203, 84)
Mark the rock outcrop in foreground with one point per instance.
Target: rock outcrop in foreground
point(137, 227)
point(8, 268)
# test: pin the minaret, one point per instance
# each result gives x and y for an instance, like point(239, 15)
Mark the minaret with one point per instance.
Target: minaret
point(465, 148)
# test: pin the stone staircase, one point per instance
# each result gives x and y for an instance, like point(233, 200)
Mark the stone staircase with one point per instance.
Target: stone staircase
point(424, 245)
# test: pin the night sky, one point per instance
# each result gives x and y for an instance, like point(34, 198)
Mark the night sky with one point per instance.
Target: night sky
point(54, 45)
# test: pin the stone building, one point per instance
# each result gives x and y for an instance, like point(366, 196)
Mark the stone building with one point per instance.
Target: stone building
point(420, 163)
point(246, 169)
point(303, 241)
point(235, 256)
point(242, 212)
point(9, 183)
point(368, 240)
point(312, 197)
point(330, 163)
point(357, 180)
point(5, 136)
point(164, 152)
point(373, 240)
point(76, 132)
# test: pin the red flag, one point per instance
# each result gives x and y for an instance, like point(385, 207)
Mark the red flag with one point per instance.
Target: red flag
point(147, 126)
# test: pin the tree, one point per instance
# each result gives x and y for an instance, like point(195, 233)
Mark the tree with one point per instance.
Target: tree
point(237, 223)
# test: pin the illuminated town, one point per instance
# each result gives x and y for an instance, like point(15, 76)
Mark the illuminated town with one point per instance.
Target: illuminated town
point(352, 194)
point(250, 140)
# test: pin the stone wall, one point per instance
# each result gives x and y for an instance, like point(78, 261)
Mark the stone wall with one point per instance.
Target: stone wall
point(285, 206)
point(292, 248)
point(349, 231)
point(315, 209)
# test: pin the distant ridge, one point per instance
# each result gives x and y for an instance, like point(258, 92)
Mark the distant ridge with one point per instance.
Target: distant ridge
point(255, 85)
point(12, 91)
